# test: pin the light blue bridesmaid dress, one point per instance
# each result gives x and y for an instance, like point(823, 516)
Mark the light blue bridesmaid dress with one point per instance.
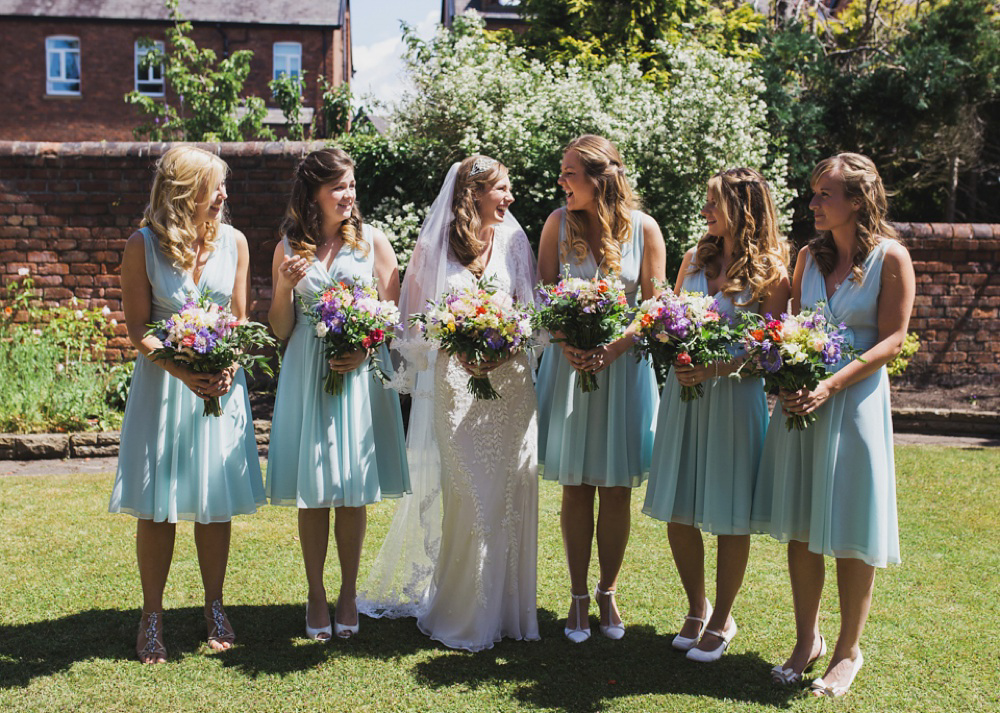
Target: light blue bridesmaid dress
point(327, 451)
point(173, 462)
point(706, 451)
point(833, 485)
point(605, 437)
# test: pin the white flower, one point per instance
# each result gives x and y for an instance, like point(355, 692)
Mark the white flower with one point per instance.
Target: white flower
point(114, 322)
point(23, 271)
point(36, 332)
point(60, 367)
point(78, 314)
point(321, 329)
point(105, 310)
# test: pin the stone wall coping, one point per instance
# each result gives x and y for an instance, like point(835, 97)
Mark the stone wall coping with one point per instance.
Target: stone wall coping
point(42, 446)
point(120, 149)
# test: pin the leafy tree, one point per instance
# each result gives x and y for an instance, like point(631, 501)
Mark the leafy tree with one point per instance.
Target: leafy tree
point(472, 93)
point(917, 91)
point(209, 106)
point(595, 32)
point(287, 93)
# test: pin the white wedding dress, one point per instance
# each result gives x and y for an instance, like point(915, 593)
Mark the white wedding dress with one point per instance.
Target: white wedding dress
point(462, 550)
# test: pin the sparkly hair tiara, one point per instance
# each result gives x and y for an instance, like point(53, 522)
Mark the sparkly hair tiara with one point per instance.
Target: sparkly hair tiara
point(481, 165)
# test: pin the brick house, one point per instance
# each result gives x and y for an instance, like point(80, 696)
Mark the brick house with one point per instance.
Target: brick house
point(498, 14)
point(67, 64)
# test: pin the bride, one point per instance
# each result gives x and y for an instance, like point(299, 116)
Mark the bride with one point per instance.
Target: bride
point(460, 555)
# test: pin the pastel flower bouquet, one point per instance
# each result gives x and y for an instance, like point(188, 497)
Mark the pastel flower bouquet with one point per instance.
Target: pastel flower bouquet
point(795, 352)
point(481, 324)
point(588, 313)
point(686, 329)
point(348, 317)
point(208, 338)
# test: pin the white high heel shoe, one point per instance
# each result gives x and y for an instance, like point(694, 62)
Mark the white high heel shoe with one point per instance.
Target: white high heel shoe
point(821, 688)
point(579, 634)
point(345, 631)
point(317, 633)
point(701, 656)
point(612, 631)
point(684, 643)
point(789, 676)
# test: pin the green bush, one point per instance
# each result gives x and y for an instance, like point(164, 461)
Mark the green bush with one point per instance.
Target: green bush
point(910, 347)
point(52, 371)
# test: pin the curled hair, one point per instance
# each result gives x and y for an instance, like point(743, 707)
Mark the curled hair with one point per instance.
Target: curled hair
point(760, 254)
point(861, 182)
point(614, 197)
point(463, 234)
point(184, 174)
point(303, 222)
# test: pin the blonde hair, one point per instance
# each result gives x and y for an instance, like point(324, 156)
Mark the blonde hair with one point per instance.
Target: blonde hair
point(861, 182)
point(615, 202)
point(760, 255)
point(184, 174)
point(303, 221)
point(463, 233)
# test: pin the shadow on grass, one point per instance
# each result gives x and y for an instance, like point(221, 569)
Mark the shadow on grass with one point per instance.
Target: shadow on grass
point(551, 673)
point(582, 678)
point(269, 640)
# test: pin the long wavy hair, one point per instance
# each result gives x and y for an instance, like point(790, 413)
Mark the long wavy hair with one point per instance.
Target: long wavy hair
point(463, 233)
point(760, 255)
point(615, 202)
point(861, 182)
point(184, 175)
point(303, 221)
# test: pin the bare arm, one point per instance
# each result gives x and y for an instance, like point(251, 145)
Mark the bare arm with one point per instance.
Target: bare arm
point(895, 303)
point(548, 250)
point(386, 267)
point(286, 272)
point(240, 301)
point(137, 304)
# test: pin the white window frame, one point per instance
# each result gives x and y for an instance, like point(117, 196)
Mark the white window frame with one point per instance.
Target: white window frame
point(147, 76)
point(61, 77)
point(282, 55)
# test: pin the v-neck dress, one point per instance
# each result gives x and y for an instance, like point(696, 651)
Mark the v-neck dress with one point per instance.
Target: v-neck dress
point(605, 437)
point(344, 450)
point(706, 451)
point(173, 462)
point(833, 485)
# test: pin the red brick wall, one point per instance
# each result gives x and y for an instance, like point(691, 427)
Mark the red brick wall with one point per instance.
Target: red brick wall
point(107, 73)
point(957, 309)
point(67, 209)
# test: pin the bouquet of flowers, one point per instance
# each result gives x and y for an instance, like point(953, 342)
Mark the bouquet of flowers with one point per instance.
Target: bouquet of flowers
point(587, 312)
point(349, 317)
point(208, 338)
point(480, 324)
point(686, 329)
point(795, 352)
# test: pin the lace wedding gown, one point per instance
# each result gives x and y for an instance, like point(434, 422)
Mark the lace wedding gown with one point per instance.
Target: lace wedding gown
point(466, 567)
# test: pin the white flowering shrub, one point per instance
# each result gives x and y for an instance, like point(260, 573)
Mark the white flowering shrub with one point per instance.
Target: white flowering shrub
point(471, 93)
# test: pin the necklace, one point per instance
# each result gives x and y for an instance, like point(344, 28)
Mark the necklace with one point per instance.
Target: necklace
point(841, 278)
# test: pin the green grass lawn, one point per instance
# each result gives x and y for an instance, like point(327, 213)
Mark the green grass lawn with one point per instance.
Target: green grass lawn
point(69, 597)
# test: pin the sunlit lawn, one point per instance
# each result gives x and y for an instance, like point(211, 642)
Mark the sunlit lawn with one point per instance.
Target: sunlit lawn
point(69, 596)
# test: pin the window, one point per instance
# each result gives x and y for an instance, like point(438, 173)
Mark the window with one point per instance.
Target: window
point(287, 59)
point(149, 81)
point(62, 65)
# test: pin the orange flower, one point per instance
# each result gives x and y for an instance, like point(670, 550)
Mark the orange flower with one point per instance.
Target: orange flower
point(646, 320)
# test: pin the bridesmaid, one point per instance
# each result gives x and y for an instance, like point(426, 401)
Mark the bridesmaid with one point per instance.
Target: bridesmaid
point(830, 489)
point(706, 452)
point(345, 451)
point(598, 442)
point(174, 463)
